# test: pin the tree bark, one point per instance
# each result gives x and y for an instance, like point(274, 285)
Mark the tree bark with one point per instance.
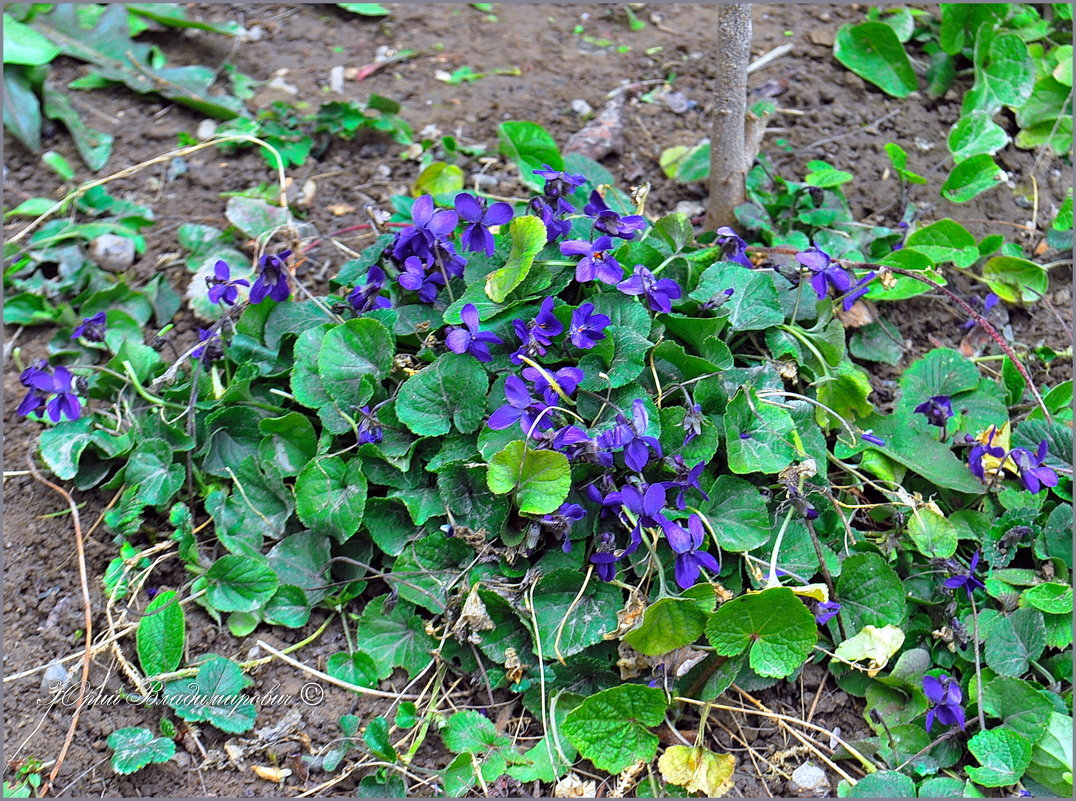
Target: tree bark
point(729, 158)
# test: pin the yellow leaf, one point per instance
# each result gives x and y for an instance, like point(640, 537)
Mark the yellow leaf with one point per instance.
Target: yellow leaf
point(998, 437)
point(876, 645)
point(697, 769)
point(820, 592)
point(275, 775)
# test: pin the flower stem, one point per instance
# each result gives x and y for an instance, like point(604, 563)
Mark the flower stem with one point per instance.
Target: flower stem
point(771, 580)
point(978, 665)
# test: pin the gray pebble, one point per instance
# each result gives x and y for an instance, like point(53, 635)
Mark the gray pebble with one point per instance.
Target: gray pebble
point(206, 128)
point(113, 252)
point(483, 181)
point(336, 79)
point(809, 781)
point(55, 674)
point(692, 208)
point(582, 107)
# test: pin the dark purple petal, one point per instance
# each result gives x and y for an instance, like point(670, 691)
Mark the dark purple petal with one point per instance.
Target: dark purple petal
point(468, 207)
point(458, 340)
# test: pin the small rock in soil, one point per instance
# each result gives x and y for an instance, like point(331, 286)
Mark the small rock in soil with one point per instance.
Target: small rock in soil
point(336, 79)
point(677, 102)
point(691, 208)
point(483, 181)
point(113, 252)
point(1063, 297)
point(206, 128)
point(809, 781)
point(822, 36)
point(582, 107)
point(276, 90)
point(55, 674)
point(853, 81)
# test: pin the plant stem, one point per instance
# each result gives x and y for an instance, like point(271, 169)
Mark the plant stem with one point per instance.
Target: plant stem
point(771, 580)
point(978, 665)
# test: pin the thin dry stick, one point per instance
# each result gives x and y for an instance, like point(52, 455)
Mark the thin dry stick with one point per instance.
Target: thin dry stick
point(88, 615)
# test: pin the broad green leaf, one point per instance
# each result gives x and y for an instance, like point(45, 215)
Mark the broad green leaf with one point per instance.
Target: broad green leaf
point(698, 769)
point(62, 445)
point(289, 442)
point(352, 356)
point(259, 505)
point(1007, 74)
point(160, 634)
point(942, 371)
point(530, 146)
point(976, 133)
point(238, 584)
point(1003, 755)
point(934, 536)
point(431, 566)
point(376, 737)
point(874, 53)
point(1052, 597)
point(880, 341)
point(466, 492)
point(539, 480)
point(24, 45)
point(330, 495)
point(883, 784)
point(22, 110)
point(389, 524)
point(567, 626)
point(612, 728)
point(528, 236)
point(971, 177)
point(151, 469)
point(941, 787)
point(945, 240)
point(471, 732)
point(754, 304)
point(302, 560)
point(622, 366)
point(774, 624)
point(214, 695)
point(355, 668)
point(846, 394)
point(1021, 707)
point(757, 435)
point(438, 179)
point(254, 217)
point(1051, 758)
point(737, 513)
point(1016, 280)
point(668, 624)
point(135, 747)
point(365, 9)
point(289, 607)
point(870, 592)
point(506, 632)
point(395, 637)
point(93, 146)
point(449, 393)
point(1014, 640)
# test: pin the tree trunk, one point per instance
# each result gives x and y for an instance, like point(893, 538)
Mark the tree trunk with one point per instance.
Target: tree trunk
point(729, 159)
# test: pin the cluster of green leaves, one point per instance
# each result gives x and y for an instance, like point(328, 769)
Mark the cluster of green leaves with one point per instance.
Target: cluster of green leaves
point(1021, 59)
point(103, 36)
point(294, 135)
point(429, 539)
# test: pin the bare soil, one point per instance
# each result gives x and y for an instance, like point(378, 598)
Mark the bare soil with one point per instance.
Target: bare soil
point(837, 118)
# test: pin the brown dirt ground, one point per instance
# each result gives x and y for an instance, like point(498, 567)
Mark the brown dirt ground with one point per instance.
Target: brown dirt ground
point(839, 122)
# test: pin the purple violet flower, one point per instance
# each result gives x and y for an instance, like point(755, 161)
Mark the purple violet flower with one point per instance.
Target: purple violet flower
point(826, 611)
point(945, 697)
point(872, 438)
point(1034, 475)
point(222, 289)
point(586, 328)
point(92, 328)
point(44, 382)
point(604, 557)
point(692, 423)
point(937, 409)
point(659, 292)
point(560, 522)
point(521, 407)
point(988, 303)
point(567, 378)
point(967, 580)
point(686, 478)
point(368, 296)
point(975, 456)
point(687, 545)
point(733, 248)
point(546, 325)
point(272, 280)
point(369, 428)
point(607, 221)
point(470, 339)
point(415, 278)
point(212, 349)
point(555, 227)
point(559, 184)
point(429, 227)
point(472, 210)
point(597, 261)
point(631, 436)
point(826, 273)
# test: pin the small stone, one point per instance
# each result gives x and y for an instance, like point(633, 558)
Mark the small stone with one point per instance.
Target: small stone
point(582, 107)
point(677, 102)
point(822, 36)
point(483, 181)
point(254, 34)
point(809, 781)
point(383, 172)
point(336, 79)
point(54, 677)
point(853, 81)
point(691, 208)
point(113, 252)
point(206, 128)
point(1063, 297)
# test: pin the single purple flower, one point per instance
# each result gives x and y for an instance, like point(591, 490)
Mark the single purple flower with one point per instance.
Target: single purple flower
point(597, 261)
point(559, 184)
point(472, 210)
point(692, 423)
point(574, 443)
point(607, 221)
point(975, 456)
point(415, 278)
point(521, 407)
point(38, 379)
point(826, 611)
point(604, 557)
point(690, 559)
point(368, 296)
point(937, 409)
point(872, 438)
point(686, 478)
point(369, 428)
point(429, 227)
point(92, 328)
point(65, 402)
point(546, 325)
point(561, 521)
point(988, 303)
point(945, 697)
point(659, 292)
point(555, 227)
point(586, 328)
point(470, 339)
point(211, 350)
point(860, 289)
point(272, 280)
point(968, 580)
point(222, 289)
point(567, 378)
point(1034, 475)
point(826, 272)
point(733, 248)
point(631, 436)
